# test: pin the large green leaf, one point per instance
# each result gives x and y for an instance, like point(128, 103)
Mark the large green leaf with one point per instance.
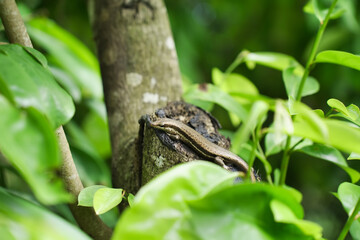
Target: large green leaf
point(237, 86)
point(338, 57)
point(211, 93)
point(349, 195)
point(233, 83)
point(26, 81)
point(24, 220)
point(340, 134)
point(68, 53)
point(199, 200)
point(333, 155)
point(29, 143)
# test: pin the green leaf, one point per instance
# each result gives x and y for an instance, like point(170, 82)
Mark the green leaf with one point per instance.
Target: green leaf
point(313, 7)
point(198, 200)
point(29, 83)
point(354, 156)
point(316, 123)
point(238, 86)
point(351, 112)
point(341, 135)
point(68, 53)
point(28, 141)
point(354, 114)
point(64, 79)
point(292, 83)
point(257, 113)
point(282, 122)
point(274, 60)
point(233, 83)
point(339, 106)
point(275, 146)
point(274, 143)
point(29, 221)
point(350, 15)
point(217, 77)
point(106, 199)
point(86, 196)
point(338, 57)
point(131, 199)
point(333, 155)
point(349, 195)
point(211, 93)
point(283, 214)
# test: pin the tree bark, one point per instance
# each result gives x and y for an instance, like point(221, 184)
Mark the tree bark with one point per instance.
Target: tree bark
point(140, 73)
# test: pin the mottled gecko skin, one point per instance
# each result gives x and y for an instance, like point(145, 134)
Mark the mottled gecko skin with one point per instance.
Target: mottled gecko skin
point(180, 131)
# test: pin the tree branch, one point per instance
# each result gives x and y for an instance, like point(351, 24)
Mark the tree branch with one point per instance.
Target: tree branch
point(88, 221)
point(84, 216)
point(13, 23)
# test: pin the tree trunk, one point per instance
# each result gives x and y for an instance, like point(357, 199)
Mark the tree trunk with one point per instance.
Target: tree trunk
point(140, 73)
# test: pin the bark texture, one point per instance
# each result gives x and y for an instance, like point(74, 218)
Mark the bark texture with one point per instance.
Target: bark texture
point(140, 73)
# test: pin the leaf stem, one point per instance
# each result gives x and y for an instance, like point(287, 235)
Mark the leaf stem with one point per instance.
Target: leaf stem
point(252, 157)
point(310, 61)
point(314, 50)
point(350, 220)
point(285, 161)
point(238, 60)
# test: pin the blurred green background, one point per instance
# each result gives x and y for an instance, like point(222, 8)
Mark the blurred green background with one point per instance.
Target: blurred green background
point(211, 33)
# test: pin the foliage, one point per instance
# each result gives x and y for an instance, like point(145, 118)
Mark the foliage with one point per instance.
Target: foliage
point(32, 105)
point(296, 127)
point(200, 201)
point(24, 219)
point(100, 197)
